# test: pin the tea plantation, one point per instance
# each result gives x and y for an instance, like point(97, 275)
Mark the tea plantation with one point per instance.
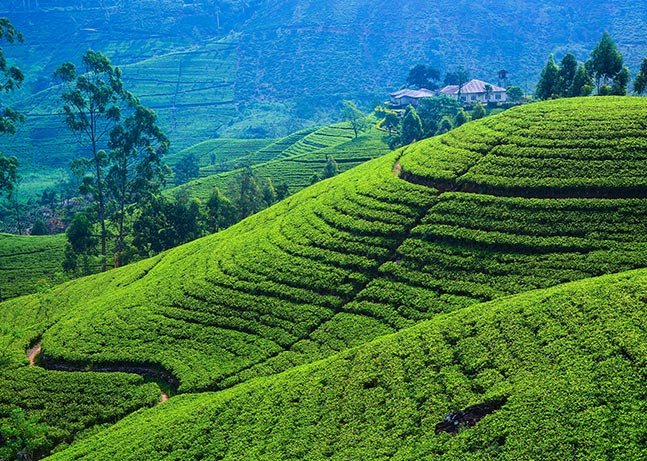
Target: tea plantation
point(295, 158)
point(563, 368)
point(423, 234)
point(29, 263)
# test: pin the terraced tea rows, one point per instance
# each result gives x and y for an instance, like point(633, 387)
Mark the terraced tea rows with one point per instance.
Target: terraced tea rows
point(561, 372)
point(294, 160)
point(28, 263)
point(529, 152)
point(359, 256)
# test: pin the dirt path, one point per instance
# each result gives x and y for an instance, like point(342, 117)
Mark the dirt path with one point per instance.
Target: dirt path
point(33, 353)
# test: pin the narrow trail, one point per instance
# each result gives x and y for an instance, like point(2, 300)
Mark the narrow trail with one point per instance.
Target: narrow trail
point(33, 353)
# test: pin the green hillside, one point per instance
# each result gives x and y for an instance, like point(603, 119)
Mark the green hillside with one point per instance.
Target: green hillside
point(402, 239)
point(264, 68)
point(294, 159)
point(562, 369)
point(29, 263)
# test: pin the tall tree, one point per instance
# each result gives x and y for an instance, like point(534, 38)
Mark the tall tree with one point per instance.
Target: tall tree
point(640, 83)
point(92, 107)
point(411, 126)
point(249, 198)
point(221, 213)
point(330, 169)
point(188, 168)
point(606, 61)
point(11, 77)
point(136, 172)
point(549, 81)
point(582, 83)
point(620, 82)
point(354, 116)
point(567, 73)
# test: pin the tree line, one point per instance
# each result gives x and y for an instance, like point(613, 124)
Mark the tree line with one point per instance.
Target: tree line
point(603, 73)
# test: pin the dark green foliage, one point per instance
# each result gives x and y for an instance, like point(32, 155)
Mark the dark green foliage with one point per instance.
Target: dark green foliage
point(186, 169)
point(640, 83)
point(515, 93)
point(330, 169)
point(606, 61)
point(162, 223)
point(421, 76)
point(479, 111)
point(221, 213)
point(582, 83)
point(355, 117)
point(432, 110)
point(411, 127)
point(461, 118)
point(566, 75)
point(80, 234)
point(11, 78)
point(39, 228)
point(8, 175)
point(620, 82)
point(23, 438)
point(446, 124)
point(548, 84)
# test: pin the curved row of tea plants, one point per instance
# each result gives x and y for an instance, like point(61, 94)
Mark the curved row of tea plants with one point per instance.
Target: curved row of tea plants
point(334, 266)
point(297, 162)
point(561, 369)
point(576, 148)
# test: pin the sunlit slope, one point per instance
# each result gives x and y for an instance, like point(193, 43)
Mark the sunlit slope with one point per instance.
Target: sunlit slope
point(71, 403)
point(273, 285)
point(352, 258)
point(563, 370)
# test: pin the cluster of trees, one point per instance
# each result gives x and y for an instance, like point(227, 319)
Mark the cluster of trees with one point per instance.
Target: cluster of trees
point(603, 72)
point(159, 223)
point(432, 117)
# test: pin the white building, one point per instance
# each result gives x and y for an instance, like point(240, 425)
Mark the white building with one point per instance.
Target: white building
point(475, 90)
point(406, 96)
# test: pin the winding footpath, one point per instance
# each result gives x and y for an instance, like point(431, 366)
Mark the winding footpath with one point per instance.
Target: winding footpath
point(32, 355)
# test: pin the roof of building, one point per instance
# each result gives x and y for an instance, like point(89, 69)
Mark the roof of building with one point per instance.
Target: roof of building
point(416, 94)
point(472, 87)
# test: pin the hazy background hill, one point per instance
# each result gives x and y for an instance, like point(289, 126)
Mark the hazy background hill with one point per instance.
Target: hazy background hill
point(263, 68)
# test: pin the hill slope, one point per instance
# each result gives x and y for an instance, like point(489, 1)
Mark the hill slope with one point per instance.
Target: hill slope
point(559, 370)
point(366, 253)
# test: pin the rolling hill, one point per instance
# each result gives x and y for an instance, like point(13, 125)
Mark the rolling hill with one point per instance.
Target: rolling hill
point(527, 199)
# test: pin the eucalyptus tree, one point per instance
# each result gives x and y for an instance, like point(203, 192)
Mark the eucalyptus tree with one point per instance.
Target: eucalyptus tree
point(92, 106)
point(120, 136)
point(606, 62)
